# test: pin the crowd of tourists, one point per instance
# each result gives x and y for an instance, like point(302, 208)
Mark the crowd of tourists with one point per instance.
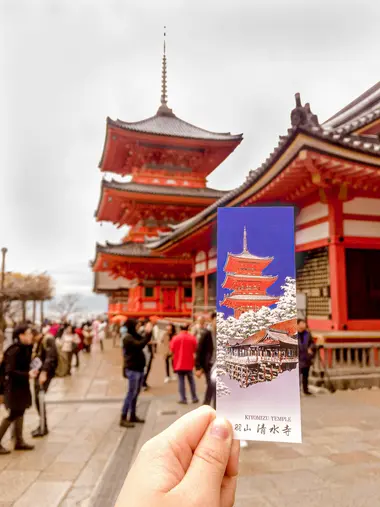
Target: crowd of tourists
point(187, 350)
point(54, 349)
point(40, 353)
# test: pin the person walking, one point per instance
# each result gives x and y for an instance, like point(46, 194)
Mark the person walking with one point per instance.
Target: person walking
point(183, 347)
point(87, 337)
point(205, 357)
point(45, 351)
point(307, 349)
point(133, 370)
point(78, 346)
point(17, 395)
point(165, 349)
point(68, 341)
point(147, 331)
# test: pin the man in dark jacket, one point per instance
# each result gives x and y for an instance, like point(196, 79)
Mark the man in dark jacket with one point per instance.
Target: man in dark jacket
point(306, 348)
point(133, 370)
point(45, 351)
point(205, 356)
point(17, 395)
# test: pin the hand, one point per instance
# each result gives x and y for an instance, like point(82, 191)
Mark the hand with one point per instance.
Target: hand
point(33, 373)
point(198, 373)
point(42, 378)
point(193, 463)
point(310, 351)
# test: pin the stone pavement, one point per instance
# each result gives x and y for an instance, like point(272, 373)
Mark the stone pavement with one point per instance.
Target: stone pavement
point(83, 415)
point(85, 457)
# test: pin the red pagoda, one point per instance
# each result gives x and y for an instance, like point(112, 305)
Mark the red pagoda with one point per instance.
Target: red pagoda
point(249, 286)
point(167, 161)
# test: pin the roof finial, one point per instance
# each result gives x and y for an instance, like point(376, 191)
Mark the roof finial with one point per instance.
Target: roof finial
point(164, 90)
point(245, 246)
point(164, 109)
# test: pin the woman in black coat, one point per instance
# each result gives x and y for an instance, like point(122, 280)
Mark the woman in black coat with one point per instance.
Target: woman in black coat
point(17, 395)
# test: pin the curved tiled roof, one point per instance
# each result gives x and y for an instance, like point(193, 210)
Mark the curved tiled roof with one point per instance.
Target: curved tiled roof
point(250, 297)
point(128, 249)
point(163, 189)
point(360, 112)
point(248, 255)
point(171, 125)
point(252, 277)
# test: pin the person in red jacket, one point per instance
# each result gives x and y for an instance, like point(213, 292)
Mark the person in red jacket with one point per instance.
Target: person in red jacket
point(184, 347)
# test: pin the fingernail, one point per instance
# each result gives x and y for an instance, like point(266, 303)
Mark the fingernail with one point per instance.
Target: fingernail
point(220, 429)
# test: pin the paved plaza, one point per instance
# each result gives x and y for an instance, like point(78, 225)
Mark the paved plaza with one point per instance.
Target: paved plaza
point(85, 457)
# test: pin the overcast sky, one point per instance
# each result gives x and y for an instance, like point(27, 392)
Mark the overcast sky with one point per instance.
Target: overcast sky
point(232, 66)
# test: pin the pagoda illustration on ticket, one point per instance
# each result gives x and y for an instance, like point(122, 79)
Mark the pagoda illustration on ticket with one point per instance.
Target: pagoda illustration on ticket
point(257, 344)
point(264, 355)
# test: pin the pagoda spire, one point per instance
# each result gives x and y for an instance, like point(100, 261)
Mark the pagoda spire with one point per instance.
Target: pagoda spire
point(164, 109)
point(245, 245)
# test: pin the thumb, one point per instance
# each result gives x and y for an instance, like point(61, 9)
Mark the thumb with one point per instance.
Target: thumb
point(209, 462)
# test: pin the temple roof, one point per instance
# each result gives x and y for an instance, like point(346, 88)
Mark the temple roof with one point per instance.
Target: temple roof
point(259, 337)
point(281, 337)
point(162, 190)
point(360, 112)
point(306, 124)
point(168, 124)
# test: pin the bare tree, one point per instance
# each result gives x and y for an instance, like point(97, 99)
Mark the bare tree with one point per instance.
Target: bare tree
point(67, 304)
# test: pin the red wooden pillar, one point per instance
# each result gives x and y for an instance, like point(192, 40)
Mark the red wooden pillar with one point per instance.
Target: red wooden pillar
point(337, 265)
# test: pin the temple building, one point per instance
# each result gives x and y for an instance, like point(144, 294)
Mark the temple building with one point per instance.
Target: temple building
point(330, 173)
point(167, 161)
point(244, 277)
point(263, 356)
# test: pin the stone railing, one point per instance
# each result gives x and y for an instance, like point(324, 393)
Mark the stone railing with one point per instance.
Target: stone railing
point(347, 365)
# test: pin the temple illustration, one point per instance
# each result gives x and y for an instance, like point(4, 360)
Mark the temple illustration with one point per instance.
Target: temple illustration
point(244, 277)
point(263, 356)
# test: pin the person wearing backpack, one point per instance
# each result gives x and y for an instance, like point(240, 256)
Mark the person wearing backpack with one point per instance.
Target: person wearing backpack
point(17, 395)
point(45, 354)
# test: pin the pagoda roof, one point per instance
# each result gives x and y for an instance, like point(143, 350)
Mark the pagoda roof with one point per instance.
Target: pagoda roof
point(127, 249)
point(251, 277)
point(247, 255)
point(115, 196)
point(360, 112)
point(141, 188)
point(305, 133)
point(250, 297)
point(168, 124)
